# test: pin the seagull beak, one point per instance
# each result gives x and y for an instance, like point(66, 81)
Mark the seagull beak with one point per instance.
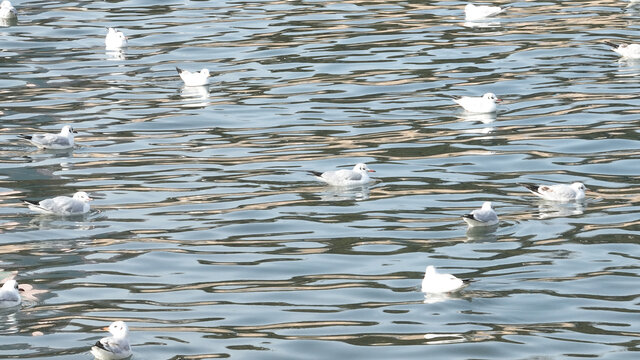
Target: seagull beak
point(371, 170)
point(498, 100)
point(106, 328)
point(20, 289)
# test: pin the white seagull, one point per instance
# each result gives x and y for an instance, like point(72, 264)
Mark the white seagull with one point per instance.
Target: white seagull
point(113, 347)
point(628, 51)
point(356, 176)
point(484, 216)
point(478, 12)
point(62, 205)
point(10, 294)
point(63, 140)
point(484, 104)
point(115, 39)
point(199, 78)
point(559, 192)
point(7, 10)
point(435, 282)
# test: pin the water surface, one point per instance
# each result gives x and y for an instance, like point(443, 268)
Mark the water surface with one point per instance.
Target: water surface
point(210, 239)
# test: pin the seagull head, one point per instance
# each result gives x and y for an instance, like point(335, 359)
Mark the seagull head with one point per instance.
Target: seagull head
point(430, 271)
point(205, 72)
point(362, 167)
point(10, 284)
point(578, 186)
point(82, 196)
point(118, 329)
point(66, 130)
point(491, 97)
point(114, 32)
point(486, 205)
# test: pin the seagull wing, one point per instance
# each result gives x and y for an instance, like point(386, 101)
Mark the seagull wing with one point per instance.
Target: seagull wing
point(117, 347)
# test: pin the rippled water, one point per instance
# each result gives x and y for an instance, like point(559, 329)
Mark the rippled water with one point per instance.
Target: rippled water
point(210, 239)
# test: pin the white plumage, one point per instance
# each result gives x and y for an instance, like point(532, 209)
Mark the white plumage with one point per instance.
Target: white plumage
point(484, 104)
point(62, 205)
point(484, 216)
point(356, 176)
point(434, 282)
point(559, 192)
point(628, 51)
point(199, 78)
point(478, 12)
point(63, 140)
point(113, 347)
point(115, 39)
point(10, 294)
point(7, 11)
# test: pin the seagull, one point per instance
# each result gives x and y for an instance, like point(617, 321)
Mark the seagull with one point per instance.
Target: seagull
point(113, 347)
point(115, 40)
point(473, 12)
point(484, 104)
point(435, 282)
point(63, 140)
point(7, 10)
point(559, 192)
point(9, 294)
point(193, 78)
point(629, 51)
point(357, 176)
point(484, 216)
point(62, 205)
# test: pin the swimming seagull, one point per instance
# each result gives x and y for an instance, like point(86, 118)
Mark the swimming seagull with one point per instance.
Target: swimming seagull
point(62, 205)
point(113, 347)
point(484, 216)
point(7, 10)
point(115, 39)
point(435, 282)
point(559, 192)
point(63, 140)
point(357, 176)
point(484, 104)
point(628, 51)
point(9, 294)
point(478, 12)
point(193, 78)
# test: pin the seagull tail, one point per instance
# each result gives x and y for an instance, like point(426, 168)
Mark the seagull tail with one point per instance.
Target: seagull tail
point(36, 207)
point(531, 187)
point(179, 70)
point(615, 46)
point(100, 345)
point(315, 173)
point(26, 137)
point(469, 216)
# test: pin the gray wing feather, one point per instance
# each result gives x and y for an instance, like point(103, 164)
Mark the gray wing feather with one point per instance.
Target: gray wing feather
point(484, 216)
point(62, 204)
point(50, 139)
point(354, 176)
